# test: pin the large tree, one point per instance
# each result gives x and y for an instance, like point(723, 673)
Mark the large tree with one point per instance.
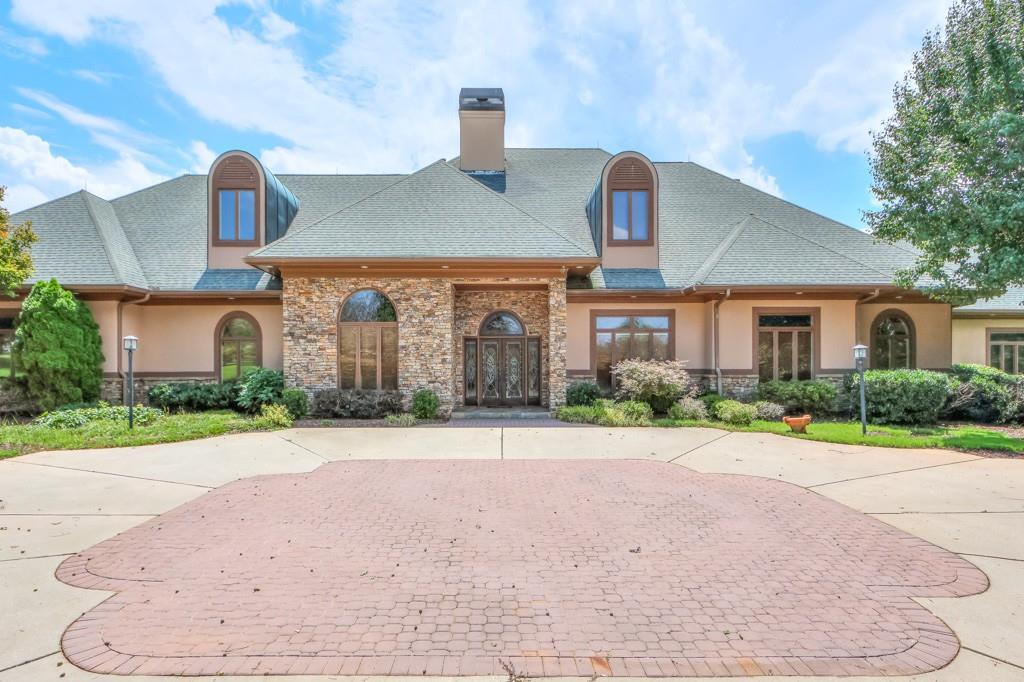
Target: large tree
point(948, 166)
point(15, 259)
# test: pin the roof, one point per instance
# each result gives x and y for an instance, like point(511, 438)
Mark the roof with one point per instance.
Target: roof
point(1009, 303)
point(713, 230)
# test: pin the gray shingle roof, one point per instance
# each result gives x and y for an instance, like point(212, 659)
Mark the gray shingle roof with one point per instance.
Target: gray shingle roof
point(1010, 302)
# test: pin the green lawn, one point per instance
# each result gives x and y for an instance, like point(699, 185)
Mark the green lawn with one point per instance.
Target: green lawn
point(19, 439)
point(849, 433)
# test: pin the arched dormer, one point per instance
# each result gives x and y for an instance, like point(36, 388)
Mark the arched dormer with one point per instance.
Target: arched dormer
point(629, 209)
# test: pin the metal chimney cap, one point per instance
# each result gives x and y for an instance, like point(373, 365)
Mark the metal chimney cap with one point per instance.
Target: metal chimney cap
point(481, 99)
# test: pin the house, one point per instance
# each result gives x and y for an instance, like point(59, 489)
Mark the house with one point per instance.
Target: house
point(494, 278)
point(991, 332)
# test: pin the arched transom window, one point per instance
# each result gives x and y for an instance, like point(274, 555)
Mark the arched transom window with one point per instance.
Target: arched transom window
point(502, 323)
point(368, 342)
point(630, 188)
point(239, 346)
point(892, 341)
point(236, 196)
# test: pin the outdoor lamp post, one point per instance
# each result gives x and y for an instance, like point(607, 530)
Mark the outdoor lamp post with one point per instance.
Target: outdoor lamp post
point(131, 344)
point(860, 353)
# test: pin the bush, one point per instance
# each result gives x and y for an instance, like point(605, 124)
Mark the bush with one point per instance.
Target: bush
point(400, 420)
point(735, 413)
point(296, 401)
point(966, 372)
point(607, 413)
point(689, 409)
point(584, 393)
point(195, 397)
point(580, 414)
point(768, 411)
point(659, 383)
point(711, 400)
point(635, 411)
point(800, 397)
point(425, 404)
point(260, 387)
point(57, 345)
point(273, 416)
point(905, 396)
point(72, 418)
point(980, 399)
point(356, 404)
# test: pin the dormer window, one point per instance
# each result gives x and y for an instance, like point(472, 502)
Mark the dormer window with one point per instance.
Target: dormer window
point(237, 215)
point(630, 204)
point(236, 198)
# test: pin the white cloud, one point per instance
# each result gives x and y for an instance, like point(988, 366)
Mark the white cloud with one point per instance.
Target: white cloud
point(19, 45)
point(276, 28)
point(202, 155)
point(97, 77)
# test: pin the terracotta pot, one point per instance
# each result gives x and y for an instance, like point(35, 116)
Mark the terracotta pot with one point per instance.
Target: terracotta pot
point(798, 424)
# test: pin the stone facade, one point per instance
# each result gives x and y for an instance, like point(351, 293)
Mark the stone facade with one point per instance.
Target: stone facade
point(558, 347)
point(114, 390)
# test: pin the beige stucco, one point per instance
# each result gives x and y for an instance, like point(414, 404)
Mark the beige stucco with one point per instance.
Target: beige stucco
point(628, 256)
point(970, 339)
point(105, 314)
point(933, 326)
point(482, 140)
point(229, 257)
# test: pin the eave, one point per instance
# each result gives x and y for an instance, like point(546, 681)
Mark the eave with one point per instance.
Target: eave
point(423, 267)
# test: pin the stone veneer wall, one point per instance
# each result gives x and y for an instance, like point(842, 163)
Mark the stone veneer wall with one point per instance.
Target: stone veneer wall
point(114, 391)
point(558, 347)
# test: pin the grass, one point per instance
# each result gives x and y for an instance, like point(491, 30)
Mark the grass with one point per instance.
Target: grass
point(20, 439)
point(849, 433)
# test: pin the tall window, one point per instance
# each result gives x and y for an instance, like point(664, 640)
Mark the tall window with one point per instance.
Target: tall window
point(645, 335)
point(239, 347)
point(785, 346)
point(892, 341)
point(237, 215)
point(630, 203)
point(7, 344)
point(236, 201)
point(368, 342)
point(1006, 350)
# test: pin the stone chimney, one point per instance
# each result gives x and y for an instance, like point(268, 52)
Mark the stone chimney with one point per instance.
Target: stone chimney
point(482, 129)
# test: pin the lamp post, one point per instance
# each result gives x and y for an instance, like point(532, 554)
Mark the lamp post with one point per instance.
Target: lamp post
point(860, 353)
point(131, 344)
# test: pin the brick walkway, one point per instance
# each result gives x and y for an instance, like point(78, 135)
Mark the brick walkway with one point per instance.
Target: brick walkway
point(560, 568)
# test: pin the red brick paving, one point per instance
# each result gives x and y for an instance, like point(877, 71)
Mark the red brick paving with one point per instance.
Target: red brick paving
point(558, 567)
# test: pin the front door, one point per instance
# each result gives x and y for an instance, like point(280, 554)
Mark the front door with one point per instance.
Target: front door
point(502, 371)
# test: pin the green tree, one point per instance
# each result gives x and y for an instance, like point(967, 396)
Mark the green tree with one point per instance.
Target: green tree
point(57, 345)
point(948, 166)
point(15, 242)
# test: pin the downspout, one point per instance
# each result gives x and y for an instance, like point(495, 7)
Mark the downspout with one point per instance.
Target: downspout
point(857, 313)
point(120, 335)
point(714, 340)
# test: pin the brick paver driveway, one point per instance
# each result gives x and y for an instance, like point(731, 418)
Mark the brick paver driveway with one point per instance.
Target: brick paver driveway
point(557, 567)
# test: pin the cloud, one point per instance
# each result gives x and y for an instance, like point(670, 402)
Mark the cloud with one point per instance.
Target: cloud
point(276, 28)
point(202, 155)
point(17, 45)
point(98, 77)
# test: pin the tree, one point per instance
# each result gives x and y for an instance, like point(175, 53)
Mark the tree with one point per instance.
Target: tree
point(57, 345)
point(948, 166)
point(15, 260)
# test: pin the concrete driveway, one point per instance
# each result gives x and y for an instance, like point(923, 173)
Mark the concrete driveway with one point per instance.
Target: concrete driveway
point(53, 505)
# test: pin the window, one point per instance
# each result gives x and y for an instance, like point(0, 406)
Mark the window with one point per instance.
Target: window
point(1006, 350)
point(785, 346)
point(239, 346)
point(892, 341)
point(235, 202)
point(368, 342)
point(7, 319)
point(237, 215)
point(630, 203)
point(502, 324)
point(621, 335)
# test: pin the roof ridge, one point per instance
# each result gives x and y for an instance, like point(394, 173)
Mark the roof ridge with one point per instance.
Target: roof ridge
point(148, 187)
point(48, 202)
point(517, 207)
point(115, 264)
point(719, 251)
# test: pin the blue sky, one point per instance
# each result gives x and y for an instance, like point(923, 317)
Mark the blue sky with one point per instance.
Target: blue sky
point(114, 95)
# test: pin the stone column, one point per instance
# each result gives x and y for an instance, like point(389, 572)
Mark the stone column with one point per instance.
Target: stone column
point(556, 342)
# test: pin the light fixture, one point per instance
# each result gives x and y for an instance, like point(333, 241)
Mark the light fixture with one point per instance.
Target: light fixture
point(579, 267)
point(444, 267)
point(799, 293)
point(860, 352)
point(131, 344)
point(365, 267)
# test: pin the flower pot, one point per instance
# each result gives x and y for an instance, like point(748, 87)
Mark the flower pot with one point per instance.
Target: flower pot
point(798, 424)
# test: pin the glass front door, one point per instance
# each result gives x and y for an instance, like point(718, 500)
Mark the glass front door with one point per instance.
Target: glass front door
point(502, 371)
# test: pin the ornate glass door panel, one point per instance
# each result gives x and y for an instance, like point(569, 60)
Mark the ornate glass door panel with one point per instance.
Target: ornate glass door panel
point(533, 371)
point(490, 372)
point(513, 371)
point(471, 372)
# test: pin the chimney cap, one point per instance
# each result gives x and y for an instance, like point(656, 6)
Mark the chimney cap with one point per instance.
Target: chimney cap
point(481, 99)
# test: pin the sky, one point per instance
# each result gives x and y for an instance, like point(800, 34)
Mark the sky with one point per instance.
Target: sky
point(116, 95)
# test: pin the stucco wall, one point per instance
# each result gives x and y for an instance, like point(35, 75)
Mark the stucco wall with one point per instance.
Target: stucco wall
point(969, 338)
point(105, 314)
point(933, 324)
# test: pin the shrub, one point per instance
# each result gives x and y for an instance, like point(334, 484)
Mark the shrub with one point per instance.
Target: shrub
point(980, 399)
point(273, 416)
point(296, 401)
point(966, 372)
point(799, 397)
point(72, 418)
point(356, 404)
point(260, 387)
point(400, 420)
point(710, 400)
point(659, 383)
point(735, 413)
point(768, 411)
point(195, 397)
point(584, 393)
point(607, 413)
point(635, 411)
point(905, 396)
point(689, 409)
point(580, 414)
point(57, 345)
point(425, 404)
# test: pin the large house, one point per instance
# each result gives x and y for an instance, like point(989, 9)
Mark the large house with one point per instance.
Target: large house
point(495, 278)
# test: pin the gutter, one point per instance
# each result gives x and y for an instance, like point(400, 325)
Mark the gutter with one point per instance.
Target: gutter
point(714, 340)
point(120, 331)
point(857, 312)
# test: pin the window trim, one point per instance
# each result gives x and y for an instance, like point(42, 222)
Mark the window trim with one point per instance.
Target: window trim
point(814, 312)
point(612, 186)
point(216, 186)
point(10, 332)
point(989, 331)
point(670, 313)
point(501, 311)
point(219, 329)
point(909, 321)
point(377, 326)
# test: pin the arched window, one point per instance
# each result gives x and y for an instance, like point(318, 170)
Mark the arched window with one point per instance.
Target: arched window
point(239, 346)
point(368, 342)
point(502, 323)
point(893, 341)
point(630, 189)
point(236, 197)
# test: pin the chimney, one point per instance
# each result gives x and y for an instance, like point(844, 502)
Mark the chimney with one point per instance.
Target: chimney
point(482, 129)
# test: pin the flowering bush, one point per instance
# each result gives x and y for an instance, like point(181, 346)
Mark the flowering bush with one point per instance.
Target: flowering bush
point(689, 408)
point(75, 418)
point(659, 383)
point(768, 411)
point(735, 413)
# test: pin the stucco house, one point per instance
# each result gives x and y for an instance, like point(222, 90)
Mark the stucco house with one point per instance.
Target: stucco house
point(494, 278)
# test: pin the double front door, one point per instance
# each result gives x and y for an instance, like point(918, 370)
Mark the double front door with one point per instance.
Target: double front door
point(502, 371)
